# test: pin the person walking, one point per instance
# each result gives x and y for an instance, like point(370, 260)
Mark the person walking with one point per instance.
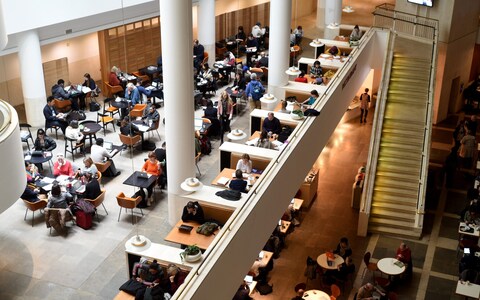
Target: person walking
point(364, 102)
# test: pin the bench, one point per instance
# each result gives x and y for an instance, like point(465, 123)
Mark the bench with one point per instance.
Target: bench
point(211, 211)
point(258, 163)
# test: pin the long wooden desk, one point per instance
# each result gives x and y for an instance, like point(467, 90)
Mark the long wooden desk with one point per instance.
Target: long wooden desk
point(258, 115)
point(190, 238)
point(228, 173)
point(228, 150)
point(297, 203)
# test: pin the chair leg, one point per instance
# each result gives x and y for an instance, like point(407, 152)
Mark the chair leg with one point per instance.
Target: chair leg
point(33, 216)
point(26, 210)
point(132, 217)
point(105, 209)
point(198, 169)
point(118, 220)
point(141, 210)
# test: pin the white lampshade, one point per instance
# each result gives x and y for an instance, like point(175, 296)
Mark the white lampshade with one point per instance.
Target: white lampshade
point(332, 26)
point(348, 9)
point(293, 71)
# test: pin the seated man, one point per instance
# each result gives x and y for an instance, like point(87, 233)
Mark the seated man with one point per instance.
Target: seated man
point(52, 117)
point(193, 212)
point(258, 270)
point(343, 248)
point(101, 155)
point(366, 292)
point(238, 184)
point(128, 128)
point(313, 97)
point(62, 167)
point(316, 70)
point(32, 194)
point(58, 92)
point(161, 154)
point(152, 114)
point(271, 124)
point(243, 292)
point(132, 94)
point(345, 269)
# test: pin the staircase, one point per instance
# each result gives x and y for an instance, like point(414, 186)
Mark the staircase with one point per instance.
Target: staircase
point(396, 188)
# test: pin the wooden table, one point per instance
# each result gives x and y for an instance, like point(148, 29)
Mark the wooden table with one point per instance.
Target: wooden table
point(284, 226)
point(389, 267)
point(267, 257)
point(190, 238)
point(228, 173)
point(469, 290)
point(476, 231)
point(297, 203)
point(315, 295)
point(322, 261)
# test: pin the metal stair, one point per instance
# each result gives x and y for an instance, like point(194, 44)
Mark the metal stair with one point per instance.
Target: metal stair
point(398, 172)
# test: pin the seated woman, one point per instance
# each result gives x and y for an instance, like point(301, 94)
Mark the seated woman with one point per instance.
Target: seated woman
point(301, 78)
point(58, 199)
point(32, 172)
point(284, 107)
point(113, 76)
point(264, 141)
point(316, 70)
point(128, 128)
point(73, 132)
point(333, 50)
point(313, 97)
point(32, 194)
point(89, 167)
point(356, 34)
point(244, 164)
point(62, 167)
point(43, 142)
point(238, 184)
point(152, 166)
point(175, 279)
point(193, 212)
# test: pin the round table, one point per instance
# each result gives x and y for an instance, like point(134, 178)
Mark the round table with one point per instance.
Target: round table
point(315, 295)
point(268, 104)
point(90, 130)
point(234, 136)
point(46, 157)
point(322, 261)
point(388, 266)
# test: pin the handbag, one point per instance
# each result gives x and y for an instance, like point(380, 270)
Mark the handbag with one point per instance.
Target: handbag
point(131, 286)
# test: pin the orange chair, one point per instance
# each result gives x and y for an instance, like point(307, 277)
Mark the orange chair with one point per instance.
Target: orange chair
point(98, 201)
point(105, 119)
point(369, 265)
point(138, 110)
point(112, 89)
point(34, 206)
point(102, 167)
point(130, 141)
point(62, 105)
point(335, 292)
point(99, 177)
point(205, 57)
point(127, 203)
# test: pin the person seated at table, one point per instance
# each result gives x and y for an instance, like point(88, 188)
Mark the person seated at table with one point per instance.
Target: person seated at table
point(238, 184)
point(333, 51)
point(92, 187)
point(245, 164)
point(32, 172)
point(271, 124)
point(264, 141)
point(284, 109)
point(142, 90)
point(298, 34)
point(175, 279)
point(147, 274)
point(151, 115)
point(262, 60)
point(32, 194)
point(88, 167)
point(243, 292)
point(193, 212)
point(90, 83)
point(128, 128)
point(366, 292)
point(62, 167)
point(225, 111)
point(259, 33)
point(356, 34)
point(316, 70)
point(299, 291)
point(229, 59)
point(57, 198)
point(301, 78)
point(58, 92)
point(205, 73)
point(470, 275)
point(52, 117)
point(343, 248)
point(132, 94)
point(210, 112)
point(252, 43)
point(404, 254)
point(345, 269)
point(239, 83)
point(293, 38)
point(101, 155)
point(73, 132)
point(152, 167)
point(43, 142)
point(240, 35)
point(313, 97)
point(161, 154)
point(472, 216)
point(258, 270)
point(198, 52)
point(113, 76)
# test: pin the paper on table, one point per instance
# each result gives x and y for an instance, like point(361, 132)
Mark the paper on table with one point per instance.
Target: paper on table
point(252, 142)
point(28, 157)
point(222, 180)
point(142, 127)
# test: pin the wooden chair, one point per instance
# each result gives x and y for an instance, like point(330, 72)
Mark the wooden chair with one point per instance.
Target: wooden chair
point(51, 127)
point(98, 201)
point(112, 89)
point(71, 146)
point(197, 159)
point(102, 167)
point(127, 203)
point(130, 141)
point(112, 110)
point(265, 74)
point(34, 206)
point(369, 265)
point(26, 134)
point(62, 105)
point(155, 128)
point(335, 292)
point(205, 57)
point(138, 110)
point(99, 177)
point(105, 119)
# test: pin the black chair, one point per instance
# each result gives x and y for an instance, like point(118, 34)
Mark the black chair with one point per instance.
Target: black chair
point(51, 127)
point(110, 109)
point(26, 134)
point(71, 146)
point(105, 119)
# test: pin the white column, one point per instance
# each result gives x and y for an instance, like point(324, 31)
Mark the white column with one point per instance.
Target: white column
point(279, 45)
point(320, 21)
point(176, 19)
point(31, 72)
point(3, 30)
point(206, 28)
point(333, 15)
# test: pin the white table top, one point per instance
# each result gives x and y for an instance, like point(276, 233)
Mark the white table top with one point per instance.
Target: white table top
point(283, 117)
point(315, 295)
point(236, 137)
point(468, 290)
point(322, 261)
point(320, 44)
point(324, 62)
point(263, 99)
point(207, 195)
point(252, 151)
point(388, 266)
point(476, 231)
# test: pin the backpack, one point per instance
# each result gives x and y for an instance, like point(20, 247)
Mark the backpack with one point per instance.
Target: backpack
point(264, 288)
point(205, 145)
point(85, 206)
point(257, 90)
point(143, 202)
point(284, 134)
point(94, 106)
point(207, 228)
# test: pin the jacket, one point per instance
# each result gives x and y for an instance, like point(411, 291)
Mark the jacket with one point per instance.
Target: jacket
point(48, 145)
point(92, 190)
point(59, 93)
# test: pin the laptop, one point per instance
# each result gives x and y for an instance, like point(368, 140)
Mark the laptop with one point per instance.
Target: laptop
point(185, 228)
point(37, 153)
point(248, 279)
point(108, 145)
point(142, 175)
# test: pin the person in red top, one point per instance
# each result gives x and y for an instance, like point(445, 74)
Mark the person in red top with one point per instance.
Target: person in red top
point(112, 77)
point(62, 167)
point(152, 166)
point(175, 279)
point(301, 78)
point(404, 254)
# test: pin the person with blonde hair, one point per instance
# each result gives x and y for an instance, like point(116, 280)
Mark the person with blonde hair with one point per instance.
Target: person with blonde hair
point(244, 164)
point(132, 93)
point(113, 77)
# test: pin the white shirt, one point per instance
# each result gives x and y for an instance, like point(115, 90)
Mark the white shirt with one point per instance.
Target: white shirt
point(98, 154)
point(92, 170)
point(257, 31)
point(246, 168)
point(73, 133)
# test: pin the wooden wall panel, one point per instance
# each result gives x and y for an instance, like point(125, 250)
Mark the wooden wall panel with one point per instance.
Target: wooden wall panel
point(53, 71)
